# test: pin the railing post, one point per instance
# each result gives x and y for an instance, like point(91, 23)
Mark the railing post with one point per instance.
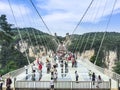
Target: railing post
point(71, 85)
point(118, 84)
point(14, 82)
point(110, 83)
point(91, 85)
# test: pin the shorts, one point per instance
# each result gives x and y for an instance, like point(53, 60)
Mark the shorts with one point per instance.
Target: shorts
point(52, 86)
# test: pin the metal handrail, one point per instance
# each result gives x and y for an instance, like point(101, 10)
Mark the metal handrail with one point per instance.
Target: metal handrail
point(109, 73)
point(61, 84)
point(14, 73)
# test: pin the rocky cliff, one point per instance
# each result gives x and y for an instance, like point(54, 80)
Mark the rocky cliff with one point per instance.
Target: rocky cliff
point(110, 57)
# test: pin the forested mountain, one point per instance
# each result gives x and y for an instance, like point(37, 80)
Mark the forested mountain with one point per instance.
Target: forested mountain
point(10, 57)
point(92, 41)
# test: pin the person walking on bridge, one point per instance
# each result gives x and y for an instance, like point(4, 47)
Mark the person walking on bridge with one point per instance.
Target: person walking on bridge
point(33, 71)
point(26, 69)
point(52, 84)
point(40, 70)
point(76, 76)
point(8, 83)
point(93, 78)
point(48, 65)
point(99, 80)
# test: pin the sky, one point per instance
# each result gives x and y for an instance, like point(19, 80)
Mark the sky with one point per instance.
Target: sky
point(62, 16)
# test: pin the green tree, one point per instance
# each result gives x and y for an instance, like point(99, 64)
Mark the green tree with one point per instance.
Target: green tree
point(117, 68)
point(5, 29)
point(4, 24)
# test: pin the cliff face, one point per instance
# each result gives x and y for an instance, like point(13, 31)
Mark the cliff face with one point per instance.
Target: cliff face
point(110, 57)
point(32, 51)
point(88, 54)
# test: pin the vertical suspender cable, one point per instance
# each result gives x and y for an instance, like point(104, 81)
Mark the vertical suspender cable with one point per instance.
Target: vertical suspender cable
point(96, 32)
point(42, 37)
point(41, 18)
point(26, 30)
point(89, 33)
point(86, 42)
point(81, 19)
point(77, 43)
point(18, 29)
point(94, 18)
point(105, 32)
point(83, 38)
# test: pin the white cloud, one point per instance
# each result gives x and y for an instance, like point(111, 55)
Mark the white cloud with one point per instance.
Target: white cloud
point(77, 8)
point(65, 14)
point(5, 9)
point(61, 16)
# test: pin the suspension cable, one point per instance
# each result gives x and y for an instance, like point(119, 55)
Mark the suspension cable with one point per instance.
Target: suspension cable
point(96, 32)
point(94, 18)
point(105, 30)
point(34, 34)
point(86, 42)
point(42, 19)
point(28, 32)
point(81, 19)
point(93, 40)
point(43, 38)
point(34, 31)
point(40, 16)
point(79, 39)
point(84, 36)
point(88, 35)
point(18, 30)
point(26, 29)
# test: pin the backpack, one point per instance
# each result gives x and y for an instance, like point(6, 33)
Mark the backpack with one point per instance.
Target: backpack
point(9, 81)
point(40, 66)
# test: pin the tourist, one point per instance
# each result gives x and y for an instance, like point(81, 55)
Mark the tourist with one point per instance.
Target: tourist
point(52, 72)
point(48, 65)
point(93, 78)
point(55, 57)
point(40, 71)
point(33, 68)
point(1, 82)
point(55, 75)
point(99, 80)
point(66, 64)
point(40, 75)
point(33, 72)
point(77, 76)
point(26, 69)
point(37, 60)
point(8, 83)
point(90, 74)
point(52, 84)
point(73, 61)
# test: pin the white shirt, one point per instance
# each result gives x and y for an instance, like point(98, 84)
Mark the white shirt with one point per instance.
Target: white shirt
point(34, 67)
point(26, 67)
point(52, 82)
point(1, 80)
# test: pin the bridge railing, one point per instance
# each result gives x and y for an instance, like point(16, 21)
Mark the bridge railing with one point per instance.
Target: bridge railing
point(115, 76)
point(109, 73)
point(15, 72)
point(105, 85)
